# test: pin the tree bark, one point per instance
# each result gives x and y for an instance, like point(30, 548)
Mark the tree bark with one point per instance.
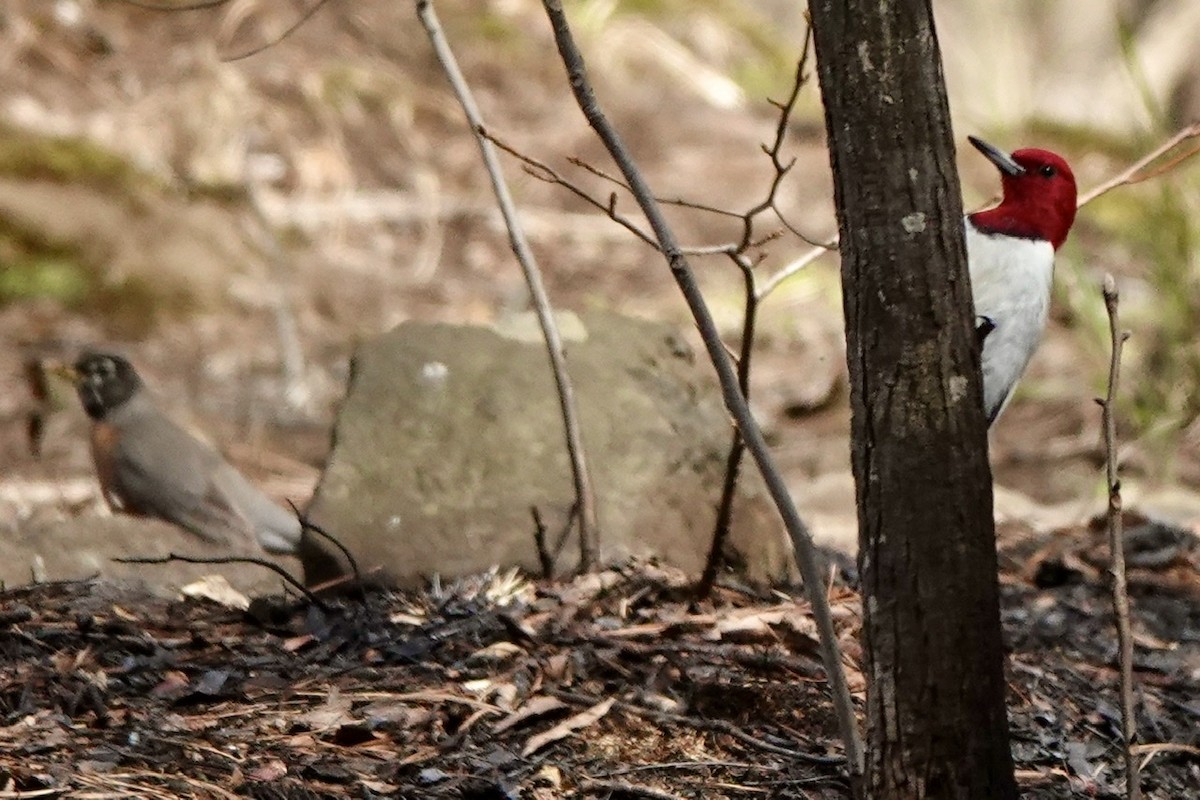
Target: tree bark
point(935, 700)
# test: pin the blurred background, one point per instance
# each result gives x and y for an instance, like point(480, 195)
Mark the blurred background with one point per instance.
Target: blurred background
point(236, 224)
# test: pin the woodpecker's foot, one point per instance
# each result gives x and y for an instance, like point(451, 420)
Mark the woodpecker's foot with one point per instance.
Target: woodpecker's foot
point(983, 326)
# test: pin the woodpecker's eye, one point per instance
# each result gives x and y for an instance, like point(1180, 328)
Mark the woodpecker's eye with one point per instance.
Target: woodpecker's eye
point(1048, 171)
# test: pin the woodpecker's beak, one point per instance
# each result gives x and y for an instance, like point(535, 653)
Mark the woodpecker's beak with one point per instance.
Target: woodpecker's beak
point(1003, 161)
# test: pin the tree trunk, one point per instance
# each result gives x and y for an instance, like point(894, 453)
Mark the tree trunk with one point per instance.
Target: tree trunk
point(935, 699)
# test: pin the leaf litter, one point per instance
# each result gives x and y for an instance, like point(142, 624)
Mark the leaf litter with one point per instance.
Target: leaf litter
point(609, 685)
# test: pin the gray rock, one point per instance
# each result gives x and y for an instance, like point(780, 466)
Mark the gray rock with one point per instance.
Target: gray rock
point(85, 546)
point(450, 434)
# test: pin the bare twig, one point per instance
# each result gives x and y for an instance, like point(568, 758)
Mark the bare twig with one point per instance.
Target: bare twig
point(1130, 176)
point(304, 17)
point(544, 172)
point(774, 150)
point(539, 541)
point(771, 284)
point(682, 272)
point(258, 562)
point(562, 535)
point(201, 5)
point(589, 537)
point(1116, 546)
point(737, 447)
point(197, 5)
point(307, 524)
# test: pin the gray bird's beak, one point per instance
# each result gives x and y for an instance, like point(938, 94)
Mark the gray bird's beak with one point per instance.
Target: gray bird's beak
point(1003, 161)
point(66, 371)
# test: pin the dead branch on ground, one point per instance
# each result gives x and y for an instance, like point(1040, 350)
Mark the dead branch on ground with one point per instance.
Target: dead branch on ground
point(258, 562)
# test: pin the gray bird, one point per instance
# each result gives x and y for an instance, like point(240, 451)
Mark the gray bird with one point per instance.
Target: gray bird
point(149, 466)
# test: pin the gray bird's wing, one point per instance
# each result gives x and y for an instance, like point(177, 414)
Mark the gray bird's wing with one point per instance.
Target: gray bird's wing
point(277, 530)
point(163, 471)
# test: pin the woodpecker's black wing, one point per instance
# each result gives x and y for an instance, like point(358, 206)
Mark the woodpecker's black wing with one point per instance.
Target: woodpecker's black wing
point(983, 326)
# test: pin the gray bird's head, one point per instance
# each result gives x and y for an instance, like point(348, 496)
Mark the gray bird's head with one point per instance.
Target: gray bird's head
point(104, 382)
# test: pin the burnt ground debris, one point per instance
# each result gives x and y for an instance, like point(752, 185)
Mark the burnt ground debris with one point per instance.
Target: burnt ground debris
point(613, 685)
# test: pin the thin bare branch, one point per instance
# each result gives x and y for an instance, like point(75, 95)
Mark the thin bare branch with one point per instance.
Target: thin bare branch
point(274, 40)
point(776, 147)
point(737, 447)
point(685, 278)
point(772, 283)
point(589, 544)
point(749, 317)
point(201, 5)
point(1130, 176)
point(1116, 546)
point(544, 172)
point(309, 525)
point(677, 201)
point(539, 542)
point(198, 5)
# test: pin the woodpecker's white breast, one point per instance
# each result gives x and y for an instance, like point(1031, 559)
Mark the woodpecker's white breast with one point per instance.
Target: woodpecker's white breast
point(1010, 281)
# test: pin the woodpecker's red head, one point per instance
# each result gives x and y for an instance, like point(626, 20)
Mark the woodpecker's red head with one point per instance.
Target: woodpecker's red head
point(1039, 195)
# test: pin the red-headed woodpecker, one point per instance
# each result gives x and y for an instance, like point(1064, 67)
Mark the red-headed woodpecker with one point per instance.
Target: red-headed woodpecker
point(1010, 253)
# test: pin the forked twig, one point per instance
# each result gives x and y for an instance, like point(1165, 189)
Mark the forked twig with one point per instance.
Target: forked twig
point(1116, 548)
point(682, 272)
point(589, 541)
point(544, 172)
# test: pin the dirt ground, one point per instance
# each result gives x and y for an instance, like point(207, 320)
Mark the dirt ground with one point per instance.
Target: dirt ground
point(356, 152)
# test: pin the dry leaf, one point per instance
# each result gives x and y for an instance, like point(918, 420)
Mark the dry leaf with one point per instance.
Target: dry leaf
point(121, 613)
point(333, 713)
point(497, 651)
point(173, 683)
point(537, 707)
point(296, 642)
point(268, 771)
point(549, 775)
point(379, 787)
point(217, 589)
point(567, 727)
